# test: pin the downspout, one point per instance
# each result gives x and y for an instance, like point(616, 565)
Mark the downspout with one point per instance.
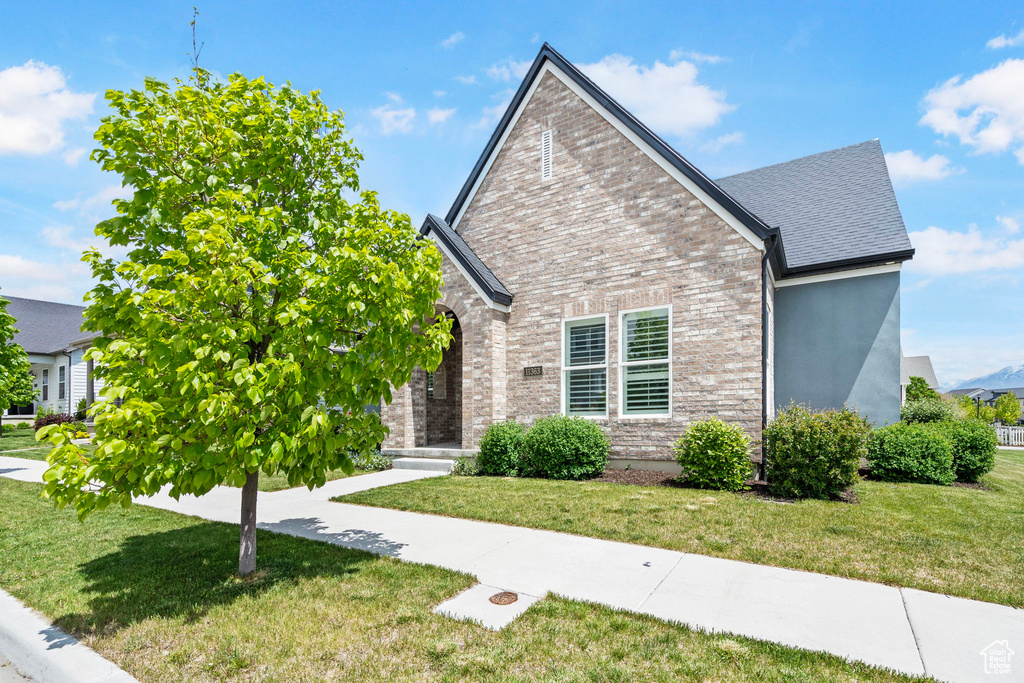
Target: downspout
point(772, 242)
point(67, 386)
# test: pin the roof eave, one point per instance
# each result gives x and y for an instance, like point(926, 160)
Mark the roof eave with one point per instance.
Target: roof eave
point(431, 225)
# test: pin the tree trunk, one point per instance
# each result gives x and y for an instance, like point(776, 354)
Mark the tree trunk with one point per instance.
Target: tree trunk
point(247, 541)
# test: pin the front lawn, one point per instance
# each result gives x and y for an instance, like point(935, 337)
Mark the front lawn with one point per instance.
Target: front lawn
point(157, 593)
point(953, 540)
point(18, 439)
point(279, 482)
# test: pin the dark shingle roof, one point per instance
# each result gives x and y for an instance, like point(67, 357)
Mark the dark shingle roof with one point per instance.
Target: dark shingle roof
point(467, 258)
point(45, 326)
point(831, 208)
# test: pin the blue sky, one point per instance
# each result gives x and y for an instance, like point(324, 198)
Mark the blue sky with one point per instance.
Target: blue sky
point(738, 86)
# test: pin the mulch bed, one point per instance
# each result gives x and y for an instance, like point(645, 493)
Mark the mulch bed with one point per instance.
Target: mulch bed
point(758, 489)
point(971, 485)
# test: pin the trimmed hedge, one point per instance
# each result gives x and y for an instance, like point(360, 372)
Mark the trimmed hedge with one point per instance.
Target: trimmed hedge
point(917, 453)
point(928, 410)
point(562, 447)
point(714, 455)
point(502, 450)
point(974, 447)
point(814, 455)
point(23, 425)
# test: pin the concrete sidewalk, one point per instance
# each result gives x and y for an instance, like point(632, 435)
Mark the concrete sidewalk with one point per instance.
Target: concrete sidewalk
point(907, 630)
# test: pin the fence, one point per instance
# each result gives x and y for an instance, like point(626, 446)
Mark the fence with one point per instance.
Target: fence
point(1010, 436)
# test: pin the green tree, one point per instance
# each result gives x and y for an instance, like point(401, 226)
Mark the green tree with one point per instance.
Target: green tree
point(263, 304)
point(1008, 408)
point(15, 376)
point(918, 389)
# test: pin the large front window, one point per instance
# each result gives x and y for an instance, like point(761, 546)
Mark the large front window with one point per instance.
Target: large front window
point(585, 367)
point(646, 385)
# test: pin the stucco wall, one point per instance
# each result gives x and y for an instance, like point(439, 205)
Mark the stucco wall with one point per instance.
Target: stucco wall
point(838, 342)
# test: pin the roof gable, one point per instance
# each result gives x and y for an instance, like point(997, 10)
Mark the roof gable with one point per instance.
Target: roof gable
point(45, 326)
point(482, 278)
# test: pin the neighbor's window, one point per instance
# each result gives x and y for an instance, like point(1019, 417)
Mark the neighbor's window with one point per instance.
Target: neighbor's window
point(645, 363)
point(46, 384)
point(61, 382)
point(585, 367)
point(430, 385)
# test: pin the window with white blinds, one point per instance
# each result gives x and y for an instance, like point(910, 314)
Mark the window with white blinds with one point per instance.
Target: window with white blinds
point(645, 363)
point(585, 367)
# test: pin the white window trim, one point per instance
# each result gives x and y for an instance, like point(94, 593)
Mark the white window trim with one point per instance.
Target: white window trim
point(623, 364)
point(563, 371)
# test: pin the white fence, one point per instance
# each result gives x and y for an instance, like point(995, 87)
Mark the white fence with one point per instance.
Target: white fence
point(1010, 436)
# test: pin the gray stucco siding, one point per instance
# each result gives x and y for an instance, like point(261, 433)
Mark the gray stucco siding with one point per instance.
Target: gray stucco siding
point(838, 342)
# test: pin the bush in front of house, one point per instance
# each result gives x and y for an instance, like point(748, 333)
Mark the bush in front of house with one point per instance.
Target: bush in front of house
point(7, 429)
point(974, 445)
point(714, 455)
point(926, 410)
point(53, 419)
point(917, 453)
point(502, 450)
point(814, 455)
point(464, 467)
point(23, 425)
point(563, 447)
point(373, 461)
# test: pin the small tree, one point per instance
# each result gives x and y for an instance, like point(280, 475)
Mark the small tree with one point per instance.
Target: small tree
point(918, 389)
point(15, 376)
point(263, 305)
point(1008, 408)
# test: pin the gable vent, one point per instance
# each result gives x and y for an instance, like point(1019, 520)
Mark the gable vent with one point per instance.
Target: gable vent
point(545, 155)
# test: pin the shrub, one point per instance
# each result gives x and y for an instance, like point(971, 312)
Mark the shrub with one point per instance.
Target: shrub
point(373, 462)
point(7, 429)
point(80, 409)
point(464, 467)
point(919, 389)
point(562, 447)
point(52, 419)
point(928, 410)
point(502, 449)
point(714, 455)
point(974, 446)
point(814, 455)
point(23, 425)
point(912, 453)
point(81, 435)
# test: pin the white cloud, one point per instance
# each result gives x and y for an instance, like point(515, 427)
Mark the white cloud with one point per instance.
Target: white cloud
point(721, 141)
point(71, 157)
point(35, 104)
point(1004, 41)
point(19, 268)
point(666, 97)
point(440, 93)
point(438, 115)
point(695, 57)
point(466, 80)
point(64, 237)
point(535, 38)
point(507, 69)
point(394, 120)
point(98, 202)
point(948, 252)
point(1010, 225)
point(992, 103)
point(394, 97)
point(491, 115)
point(453, 40)
point(906, 166)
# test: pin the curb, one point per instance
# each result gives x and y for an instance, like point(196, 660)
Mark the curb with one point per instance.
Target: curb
point(43, 652)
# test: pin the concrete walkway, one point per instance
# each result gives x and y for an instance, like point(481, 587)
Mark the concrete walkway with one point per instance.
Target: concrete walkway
point(907, 630)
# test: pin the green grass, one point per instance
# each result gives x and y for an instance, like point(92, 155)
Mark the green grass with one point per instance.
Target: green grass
point(18, 439)
point(952, 540)
point(157, 593)
point(279, 482)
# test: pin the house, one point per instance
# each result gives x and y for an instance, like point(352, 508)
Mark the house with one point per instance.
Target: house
point(916, 366)
point(51, 334)
point(592, 270)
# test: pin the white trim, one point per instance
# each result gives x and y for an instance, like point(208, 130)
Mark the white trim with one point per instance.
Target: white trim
point(469, 278)
point(623, 364)
point(629, 134)
point(547, 154)
point(839, 275)
point(563, 368)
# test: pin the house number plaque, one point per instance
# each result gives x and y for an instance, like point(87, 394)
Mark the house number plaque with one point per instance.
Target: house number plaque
point(533, 371)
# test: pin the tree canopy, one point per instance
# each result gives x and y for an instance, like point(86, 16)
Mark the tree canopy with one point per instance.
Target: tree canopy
point(918, 389)
point(263, 303)
point(15, 375)
point(1008, 408)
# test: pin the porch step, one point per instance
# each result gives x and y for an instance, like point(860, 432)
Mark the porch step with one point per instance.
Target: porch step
point(431, 464)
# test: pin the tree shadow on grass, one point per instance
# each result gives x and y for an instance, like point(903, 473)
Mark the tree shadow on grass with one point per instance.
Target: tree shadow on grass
point(186, 572)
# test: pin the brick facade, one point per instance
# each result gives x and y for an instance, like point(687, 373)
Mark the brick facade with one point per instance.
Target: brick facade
point(610, 231)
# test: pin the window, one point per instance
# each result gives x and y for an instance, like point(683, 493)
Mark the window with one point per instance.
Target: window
point(61, 376)
point(46, 384)
point(545, 155)
point(437, 383)
point(646, 368)
point(430, 385)
point(585, 367)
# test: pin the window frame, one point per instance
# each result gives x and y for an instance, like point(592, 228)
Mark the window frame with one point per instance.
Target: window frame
point(45, 384)
point(623, 364)
point(564, 368)
point(62, 381)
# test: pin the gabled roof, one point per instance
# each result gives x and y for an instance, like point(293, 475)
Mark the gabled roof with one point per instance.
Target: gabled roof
point(974, 392)
point(44, 326)
point(483, 279)
point(918, 366)
point(833, 209)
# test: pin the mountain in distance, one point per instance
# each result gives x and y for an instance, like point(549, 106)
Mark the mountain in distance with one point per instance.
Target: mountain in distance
point(1008, 378)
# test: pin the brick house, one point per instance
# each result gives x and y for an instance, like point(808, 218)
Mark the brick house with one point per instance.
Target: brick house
point(591, 270)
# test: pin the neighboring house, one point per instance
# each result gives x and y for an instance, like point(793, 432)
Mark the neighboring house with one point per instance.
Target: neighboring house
point(916, 366)
point(51, 334)
point(591, 270)
point(973, 393)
